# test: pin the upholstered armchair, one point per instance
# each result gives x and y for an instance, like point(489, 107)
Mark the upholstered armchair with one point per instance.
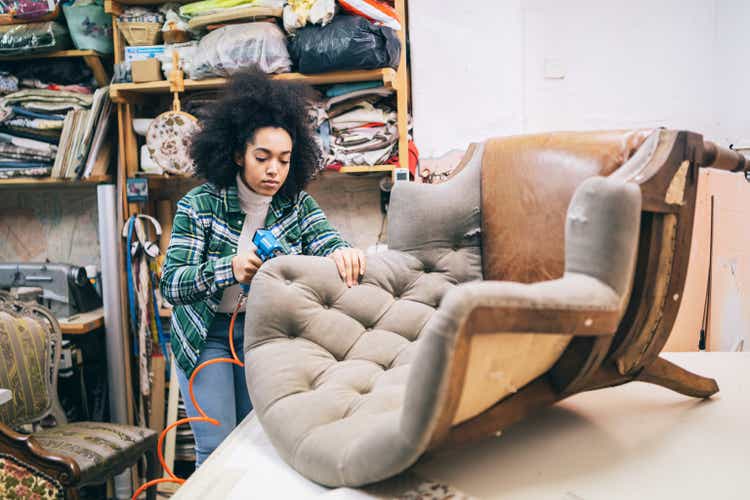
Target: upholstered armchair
point(546, 265)
point(53, 462)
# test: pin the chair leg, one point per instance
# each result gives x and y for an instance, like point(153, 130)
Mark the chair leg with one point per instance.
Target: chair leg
point(667, 374)
point(71, 493)
point(153, 471)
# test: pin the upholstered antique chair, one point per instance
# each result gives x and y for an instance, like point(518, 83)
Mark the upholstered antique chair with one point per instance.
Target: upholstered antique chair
point(546, 265)
point(53, 462)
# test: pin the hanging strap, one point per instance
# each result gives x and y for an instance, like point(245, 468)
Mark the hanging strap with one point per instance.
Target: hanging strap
point(707, 304)
point(131, 284)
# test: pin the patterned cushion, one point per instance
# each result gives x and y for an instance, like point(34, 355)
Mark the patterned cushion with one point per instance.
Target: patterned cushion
point(21, 481)
point(24, 369)
point(100, 449)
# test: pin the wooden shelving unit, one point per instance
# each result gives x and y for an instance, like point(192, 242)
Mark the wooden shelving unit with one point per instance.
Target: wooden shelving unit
point(125, 92)
point(42, 182)
point(92, 59)
point(128, 95)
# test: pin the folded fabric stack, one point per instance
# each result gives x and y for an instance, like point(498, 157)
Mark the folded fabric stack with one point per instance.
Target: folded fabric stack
point(25, 157)
point(357, 125)
point(47, 109)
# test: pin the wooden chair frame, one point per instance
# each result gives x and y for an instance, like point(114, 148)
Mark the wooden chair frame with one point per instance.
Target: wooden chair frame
point(614, 352)
point(23, 447)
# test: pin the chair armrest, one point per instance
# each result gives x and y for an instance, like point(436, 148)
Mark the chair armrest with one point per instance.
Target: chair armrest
point(576, 304)
point(5, 396)
point(26, 449)
point(601, 238)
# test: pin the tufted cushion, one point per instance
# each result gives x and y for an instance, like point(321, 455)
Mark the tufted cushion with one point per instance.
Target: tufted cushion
point(100, 449)
point(328, 364)
point(348, 383)
point(24, 369)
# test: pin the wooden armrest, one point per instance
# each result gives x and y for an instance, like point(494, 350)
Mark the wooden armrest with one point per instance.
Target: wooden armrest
point(573, 305)
point(28, 450)
point(584, 322)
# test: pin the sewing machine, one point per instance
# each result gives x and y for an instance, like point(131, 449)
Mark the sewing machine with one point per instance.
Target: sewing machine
point(65, 288)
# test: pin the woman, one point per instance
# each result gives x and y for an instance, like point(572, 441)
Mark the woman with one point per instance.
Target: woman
point(257, 152)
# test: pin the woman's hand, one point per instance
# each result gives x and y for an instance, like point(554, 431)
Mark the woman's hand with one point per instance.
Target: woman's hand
point(350, 263)
point(244, 267)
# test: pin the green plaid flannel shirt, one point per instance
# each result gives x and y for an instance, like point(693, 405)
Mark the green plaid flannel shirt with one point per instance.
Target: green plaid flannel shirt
point(198, 265)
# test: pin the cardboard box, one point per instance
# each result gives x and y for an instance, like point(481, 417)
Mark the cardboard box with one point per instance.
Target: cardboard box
point(146, 71)
point(142, 52)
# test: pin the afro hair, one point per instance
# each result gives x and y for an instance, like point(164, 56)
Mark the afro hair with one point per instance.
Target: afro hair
point(252, 101)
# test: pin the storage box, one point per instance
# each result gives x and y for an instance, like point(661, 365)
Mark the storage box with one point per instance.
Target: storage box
point(146, 71)
point(142, 52)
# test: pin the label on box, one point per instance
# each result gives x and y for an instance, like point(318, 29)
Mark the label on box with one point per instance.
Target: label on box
point(142, 52)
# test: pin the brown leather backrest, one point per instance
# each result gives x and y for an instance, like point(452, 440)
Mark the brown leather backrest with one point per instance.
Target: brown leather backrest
point(527, 184)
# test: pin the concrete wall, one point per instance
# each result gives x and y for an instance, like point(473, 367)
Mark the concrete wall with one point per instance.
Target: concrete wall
point(55, 224)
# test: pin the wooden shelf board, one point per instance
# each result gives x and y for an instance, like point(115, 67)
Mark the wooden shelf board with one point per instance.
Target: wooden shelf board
point(357, 169)
point(120, 91)
point(51, 55)
point(51, 182)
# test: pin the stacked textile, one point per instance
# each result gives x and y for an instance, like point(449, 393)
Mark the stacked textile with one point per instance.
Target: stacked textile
point(36, 114)
point(357, 125)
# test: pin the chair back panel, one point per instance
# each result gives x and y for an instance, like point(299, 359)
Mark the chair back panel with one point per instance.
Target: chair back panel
point(527, 184)
point(25, 366)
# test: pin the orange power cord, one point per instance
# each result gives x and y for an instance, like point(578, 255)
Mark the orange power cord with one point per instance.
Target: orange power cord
point(202, 418)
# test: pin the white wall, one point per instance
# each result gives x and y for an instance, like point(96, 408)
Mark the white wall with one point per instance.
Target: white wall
point(488, 68)
point(732, 72)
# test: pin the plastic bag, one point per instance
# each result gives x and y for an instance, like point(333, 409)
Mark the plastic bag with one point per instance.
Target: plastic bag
point(375, 11)
point(90, 27)
point(226, 50)
point(186, 51)
point(348, 42)
point(34, 37)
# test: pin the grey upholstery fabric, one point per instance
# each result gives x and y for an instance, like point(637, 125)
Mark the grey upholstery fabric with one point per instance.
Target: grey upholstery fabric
point(347, 382)
point(327, 364)
point(101, 449)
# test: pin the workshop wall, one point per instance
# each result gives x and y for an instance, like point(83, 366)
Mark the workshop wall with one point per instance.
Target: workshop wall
point(522, 66)
point(59, 225)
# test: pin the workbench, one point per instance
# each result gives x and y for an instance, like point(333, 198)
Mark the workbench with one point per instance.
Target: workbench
point(82, 323)
point(630, 442)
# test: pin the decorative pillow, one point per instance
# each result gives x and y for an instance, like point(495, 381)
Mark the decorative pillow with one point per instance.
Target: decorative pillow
point(168, 141)
point(24, 369)
point(21, 481)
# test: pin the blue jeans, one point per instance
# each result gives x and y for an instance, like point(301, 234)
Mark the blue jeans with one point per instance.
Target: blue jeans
point(220, 389)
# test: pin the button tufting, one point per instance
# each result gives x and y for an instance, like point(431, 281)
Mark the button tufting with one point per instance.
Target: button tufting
point(288, 282)
point(326, 306)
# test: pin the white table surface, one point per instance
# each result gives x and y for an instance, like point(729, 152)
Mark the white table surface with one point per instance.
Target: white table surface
point(5, 395)
point(636, 441)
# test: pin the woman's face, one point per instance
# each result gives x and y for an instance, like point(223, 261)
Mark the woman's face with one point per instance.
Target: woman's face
point(265, 164)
